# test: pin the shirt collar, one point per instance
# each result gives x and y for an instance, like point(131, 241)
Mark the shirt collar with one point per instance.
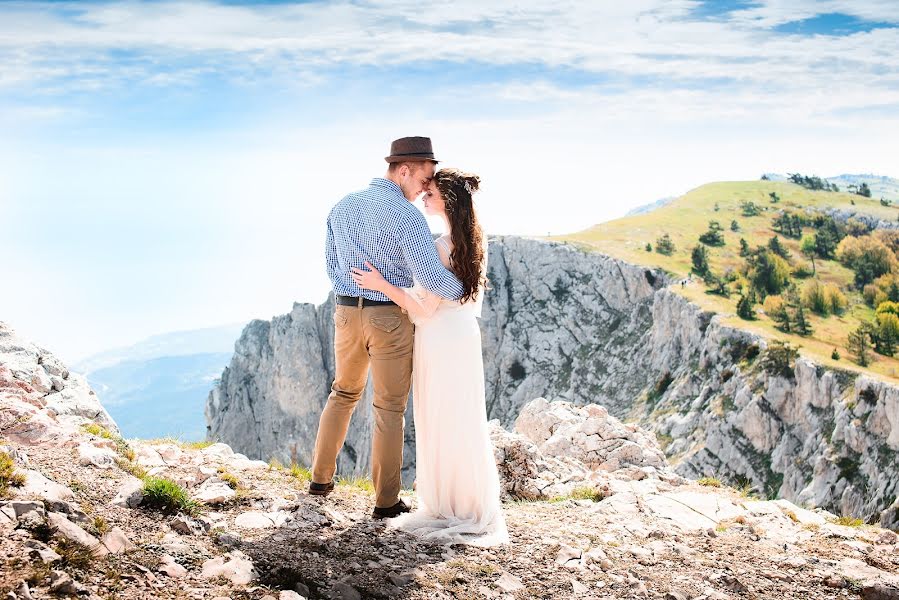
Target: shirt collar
point(387, 184)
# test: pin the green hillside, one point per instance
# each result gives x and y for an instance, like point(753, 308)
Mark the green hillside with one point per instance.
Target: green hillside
point(687, 217)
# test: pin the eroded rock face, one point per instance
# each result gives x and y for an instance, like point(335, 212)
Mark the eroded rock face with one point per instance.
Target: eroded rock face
point(32, 380)
point(565, 324)
point(558, 448)
point(558, 322)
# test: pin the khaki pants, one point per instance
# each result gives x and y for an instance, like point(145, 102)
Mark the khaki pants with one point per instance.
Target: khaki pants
point(380, 338)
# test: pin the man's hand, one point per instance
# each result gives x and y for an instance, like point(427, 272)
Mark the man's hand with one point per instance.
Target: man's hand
point(369, 280)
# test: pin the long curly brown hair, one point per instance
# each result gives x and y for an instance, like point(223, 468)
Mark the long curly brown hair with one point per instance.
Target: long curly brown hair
point(468, 256)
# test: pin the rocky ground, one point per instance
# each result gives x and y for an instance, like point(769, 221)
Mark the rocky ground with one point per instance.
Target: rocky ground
point(593, 511)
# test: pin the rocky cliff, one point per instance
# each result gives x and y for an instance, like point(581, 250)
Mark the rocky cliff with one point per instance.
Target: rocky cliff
point(564, 323)
point(598, 513)
point(558, 322)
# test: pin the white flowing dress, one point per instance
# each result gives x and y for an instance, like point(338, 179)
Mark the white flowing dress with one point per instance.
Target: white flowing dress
point(457, 481)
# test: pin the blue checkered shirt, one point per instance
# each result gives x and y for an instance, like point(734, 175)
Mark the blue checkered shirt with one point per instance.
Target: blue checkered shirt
point(380, 226)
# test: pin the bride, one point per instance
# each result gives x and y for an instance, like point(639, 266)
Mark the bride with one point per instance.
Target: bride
point(457, 481)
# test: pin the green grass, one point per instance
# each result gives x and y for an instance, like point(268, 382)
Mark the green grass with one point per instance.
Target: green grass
point(180, 443)
point(579, 493)
point(363, 484)
point(168, 497)
point(122, 447)
point(847, 521)
point(687, 217)
point(229, 478)
point(9, 477)
point(709, 482)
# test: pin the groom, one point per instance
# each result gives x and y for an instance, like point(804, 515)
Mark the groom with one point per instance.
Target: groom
point(379, 225)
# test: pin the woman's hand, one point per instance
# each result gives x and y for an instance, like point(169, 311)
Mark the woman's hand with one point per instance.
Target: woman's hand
point(369, 280)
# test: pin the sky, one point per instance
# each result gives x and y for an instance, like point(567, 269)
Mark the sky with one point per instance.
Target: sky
point(170, 165)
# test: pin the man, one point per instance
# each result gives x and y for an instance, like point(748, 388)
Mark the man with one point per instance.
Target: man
point(379, 225)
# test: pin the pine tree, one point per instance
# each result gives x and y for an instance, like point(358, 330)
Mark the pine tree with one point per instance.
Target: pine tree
point(714, 235)
point(835, 355)
point(777, 248)
point(700, 259)
point(745, 308)
point(648, 247)
point(664, 245)
point(744, 247)
point(803, 327)
point(734, 226)
point(860, 345)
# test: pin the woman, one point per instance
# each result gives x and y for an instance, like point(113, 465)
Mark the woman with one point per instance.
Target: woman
point(457, 481)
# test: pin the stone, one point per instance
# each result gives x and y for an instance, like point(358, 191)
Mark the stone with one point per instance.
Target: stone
point(234, 566)
point(578, 588)
point(23, 592)
point(40, 551)
point(65, 528)
point(509, 583)
point(130, 494)
point(38, 485)
point(290, 595)
point(62, 583)
point(90, 455)
point(254, 520)
point(170, 568)
point(116, 542)
point(228, 539)
point(880, 591)
point(214, 491)
point(20, 508)
point(401, 579)
point(187, 526)
point(886, 538)
point(345, 591)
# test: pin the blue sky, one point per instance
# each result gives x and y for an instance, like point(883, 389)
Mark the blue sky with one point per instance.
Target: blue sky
point(168, 165)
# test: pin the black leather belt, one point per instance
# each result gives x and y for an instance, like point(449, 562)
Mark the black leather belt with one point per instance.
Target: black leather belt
point(354, 301)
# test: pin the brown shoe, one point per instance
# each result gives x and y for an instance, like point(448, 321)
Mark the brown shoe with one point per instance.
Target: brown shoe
point(392, 511)
point(320, 489)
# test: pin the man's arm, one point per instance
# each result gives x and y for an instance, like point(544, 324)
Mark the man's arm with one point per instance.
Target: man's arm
point(421, 256)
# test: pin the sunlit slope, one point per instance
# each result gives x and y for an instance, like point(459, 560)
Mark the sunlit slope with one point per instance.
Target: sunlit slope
point(687, 217)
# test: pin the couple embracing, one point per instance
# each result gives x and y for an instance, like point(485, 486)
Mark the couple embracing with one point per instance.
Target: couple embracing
point(407, 310)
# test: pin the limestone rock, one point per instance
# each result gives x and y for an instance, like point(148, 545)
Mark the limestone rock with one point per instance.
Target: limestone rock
point(102, 458)
point(234, 566)
point(65, 528)
point(130, 494)
point(36, 485)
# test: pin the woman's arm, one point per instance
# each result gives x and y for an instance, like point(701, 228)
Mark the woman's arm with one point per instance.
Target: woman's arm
point(417, 305)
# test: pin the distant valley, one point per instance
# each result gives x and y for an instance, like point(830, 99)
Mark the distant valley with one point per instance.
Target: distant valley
point(157, 387)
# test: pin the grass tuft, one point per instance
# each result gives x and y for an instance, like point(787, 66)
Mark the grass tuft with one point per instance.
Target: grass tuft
point(847, 521)
point(229, 478)
point(168, 497)
point(363, 484)
point(9, 477)
point(709, 482)
point(301, 474)
point(74, 554)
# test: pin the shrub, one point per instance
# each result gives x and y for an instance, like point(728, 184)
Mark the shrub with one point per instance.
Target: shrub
point(836, 300)
point(814, 298)
point(9, 477)
point(835, 355)
point(167, 496)
point(714, 236)
point(768, 272)
point(664, 245)
point(867, 256)
point(778, 359)
point(709, 482)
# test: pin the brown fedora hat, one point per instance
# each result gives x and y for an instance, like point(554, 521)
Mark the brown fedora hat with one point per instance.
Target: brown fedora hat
point(410, 149)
